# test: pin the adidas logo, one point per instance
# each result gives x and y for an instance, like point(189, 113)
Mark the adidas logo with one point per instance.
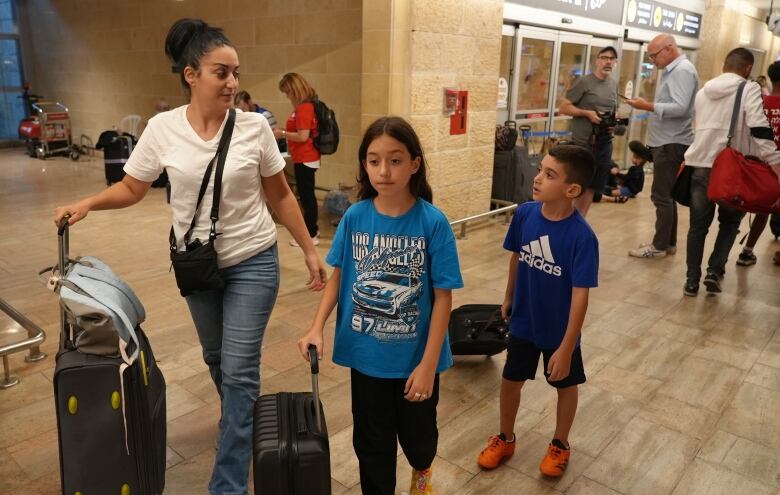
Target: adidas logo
point(537, 254)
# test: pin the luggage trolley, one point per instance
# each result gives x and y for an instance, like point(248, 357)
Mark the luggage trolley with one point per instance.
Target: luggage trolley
point(48, 133)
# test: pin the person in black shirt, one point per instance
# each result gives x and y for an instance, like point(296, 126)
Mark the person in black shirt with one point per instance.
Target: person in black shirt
point(632, 182)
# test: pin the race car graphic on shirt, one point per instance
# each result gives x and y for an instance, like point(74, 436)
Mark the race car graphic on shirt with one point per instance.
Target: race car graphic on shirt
point(388, 285)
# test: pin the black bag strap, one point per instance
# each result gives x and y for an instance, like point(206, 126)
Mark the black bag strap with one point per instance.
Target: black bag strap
point(219, 157)
point(735, 112)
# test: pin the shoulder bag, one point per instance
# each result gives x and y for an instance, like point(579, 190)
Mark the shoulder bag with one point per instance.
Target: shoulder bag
point(743, 182)
point(196, 267)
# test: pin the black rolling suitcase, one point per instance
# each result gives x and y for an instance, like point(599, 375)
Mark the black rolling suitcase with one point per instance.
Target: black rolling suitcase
point(478, 329)
point(291, 450)
point(116, 151)
point(109, 441)
point(503, 186)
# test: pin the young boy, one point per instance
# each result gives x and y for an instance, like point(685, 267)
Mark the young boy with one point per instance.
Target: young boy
point(633, 181)
point(553, 264)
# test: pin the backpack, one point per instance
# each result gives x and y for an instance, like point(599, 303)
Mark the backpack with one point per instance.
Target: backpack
point(327, 138)
point(336, 203)
point(506, 136)
point(103, 310)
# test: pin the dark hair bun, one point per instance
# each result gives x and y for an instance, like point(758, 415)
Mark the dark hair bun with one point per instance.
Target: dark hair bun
point(179, 36)
point(188, 41)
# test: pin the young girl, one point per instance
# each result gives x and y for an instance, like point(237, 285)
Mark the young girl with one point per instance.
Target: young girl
point(395, 265)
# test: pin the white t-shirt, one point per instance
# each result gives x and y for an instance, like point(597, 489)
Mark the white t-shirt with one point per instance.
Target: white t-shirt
point(169, 142)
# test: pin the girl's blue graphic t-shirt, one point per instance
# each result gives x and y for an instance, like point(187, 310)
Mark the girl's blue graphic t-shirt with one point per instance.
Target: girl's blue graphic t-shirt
point(389, 268)
point(553, 257)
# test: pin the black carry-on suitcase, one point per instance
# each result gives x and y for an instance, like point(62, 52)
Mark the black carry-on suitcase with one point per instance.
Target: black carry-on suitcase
point(503, 186)
point(478, 329)
point(109, 442)
point(116, 151)
point(291, 451)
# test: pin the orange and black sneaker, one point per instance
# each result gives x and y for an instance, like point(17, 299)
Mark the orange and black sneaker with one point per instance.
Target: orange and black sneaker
point(497, 451)
point(557, 458)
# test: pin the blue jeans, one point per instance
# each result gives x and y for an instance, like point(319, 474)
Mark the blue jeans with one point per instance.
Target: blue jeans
point(702, 214)
point(230, 325)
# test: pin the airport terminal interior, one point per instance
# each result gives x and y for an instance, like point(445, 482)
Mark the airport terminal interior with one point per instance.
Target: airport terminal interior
point(682, 394)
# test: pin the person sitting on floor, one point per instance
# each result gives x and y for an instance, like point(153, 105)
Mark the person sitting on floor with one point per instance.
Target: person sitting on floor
point(633, 181)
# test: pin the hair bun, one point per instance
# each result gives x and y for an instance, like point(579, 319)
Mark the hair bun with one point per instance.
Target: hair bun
point(180, 34)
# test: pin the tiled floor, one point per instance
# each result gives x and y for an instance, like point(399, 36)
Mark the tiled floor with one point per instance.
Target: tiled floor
point(683, 394)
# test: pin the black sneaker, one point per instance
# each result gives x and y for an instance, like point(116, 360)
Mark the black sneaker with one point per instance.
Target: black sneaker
point(712, 282)
point(691, 288)
point(746, 258)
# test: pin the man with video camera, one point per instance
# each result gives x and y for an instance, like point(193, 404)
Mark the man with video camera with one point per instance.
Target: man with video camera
point(592, 102)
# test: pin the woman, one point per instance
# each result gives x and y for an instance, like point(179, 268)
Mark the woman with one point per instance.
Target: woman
point(301, 127)
point(230, 322)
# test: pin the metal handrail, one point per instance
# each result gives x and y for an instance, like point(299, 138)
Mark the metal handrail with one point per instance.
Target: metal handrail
point(36, 336)
point(498, 211)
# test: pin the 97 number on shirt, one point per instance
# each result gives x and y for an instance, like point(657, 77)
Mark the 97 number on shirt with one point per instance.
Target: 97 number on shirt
point(363, 324)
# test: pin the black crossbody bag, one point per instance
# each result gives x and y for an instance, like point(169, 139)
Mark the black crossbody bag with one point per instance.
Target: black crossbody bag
point(196, 268)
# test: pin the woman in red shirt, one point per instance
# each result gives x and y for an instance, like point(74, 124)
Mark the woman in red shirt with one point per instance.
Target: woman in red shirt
point(299, 130)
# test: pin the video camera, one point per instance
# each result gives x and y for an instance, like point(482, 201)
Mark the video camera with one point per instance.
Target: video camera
point(610, 120)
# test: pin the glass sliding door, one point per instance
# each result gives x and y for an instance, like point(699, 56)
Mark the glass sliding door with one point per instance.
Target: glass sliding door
point(547, 63)
point(504, 100)
point(535, 75)
point(644, 87)
point(571, 66)
point(627, 72)
point(11, 79)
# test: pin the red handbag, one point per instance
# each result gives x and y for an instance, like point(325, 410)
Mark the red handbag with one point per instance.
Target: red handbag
point(743, 182)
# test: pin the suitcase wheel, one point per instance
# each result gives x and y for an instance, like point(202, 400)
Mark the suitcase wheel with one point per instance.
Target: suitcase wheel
point(73, 404)
point(116, 400)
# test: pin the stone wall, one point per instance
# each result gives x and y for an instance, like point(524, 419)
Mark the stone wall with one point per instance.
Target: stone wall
point(410, 55)
point(105, 58)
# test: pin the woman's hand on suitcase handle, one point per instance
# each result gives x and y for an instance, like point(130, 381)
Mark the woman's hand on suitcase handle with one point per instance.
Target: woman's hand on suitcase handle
point(419, 385)
point(76, 211)
point(312, 337)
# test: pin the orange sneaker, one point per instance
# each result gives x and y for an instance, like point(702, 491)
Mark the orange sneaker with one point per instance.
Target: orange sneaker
point(557, 458)
point(497, 451)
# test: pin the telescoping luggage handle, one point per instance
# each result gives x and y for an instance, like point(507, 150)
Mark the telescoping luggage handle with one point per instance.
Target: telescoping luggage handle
point(63, 236)
point(315, 369)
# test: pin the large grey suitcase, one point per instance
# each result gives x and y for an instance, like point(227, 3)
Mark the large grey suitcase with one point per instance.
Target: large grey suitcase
point(109, 442)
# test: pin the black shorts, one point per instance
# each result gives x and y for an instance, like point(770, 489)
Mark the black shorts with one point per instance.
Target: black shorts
point(522, 359)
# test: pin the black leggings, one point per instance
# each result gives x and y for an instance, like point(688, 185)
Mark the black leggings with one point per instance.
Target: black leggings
point(380, 415)
point(304, 183)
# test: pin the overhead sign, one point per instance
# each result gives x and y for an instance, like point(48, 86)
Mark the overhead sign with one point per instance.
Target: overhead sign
point(657, 16)
point(602, 10)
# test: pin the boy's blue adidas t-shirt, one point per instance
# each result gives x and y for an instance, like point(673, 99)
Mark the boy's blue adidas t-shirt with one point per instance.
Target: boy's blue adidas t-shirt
point(554, 257)
point(389, 268)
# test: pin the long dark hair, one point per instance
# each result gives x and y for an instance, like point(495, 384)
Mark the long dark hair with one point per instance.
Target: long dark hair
point(188, 41)
point(400, 130)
